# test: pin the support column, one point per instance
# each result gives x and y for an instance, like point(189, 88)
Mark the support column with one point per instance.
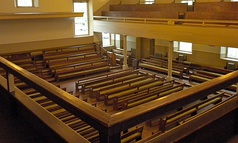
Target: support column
point(170, 60)
point(125, 65)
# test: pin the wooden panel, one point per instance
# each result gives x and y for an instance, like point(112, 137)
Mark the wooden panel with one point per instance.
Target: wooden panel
point(11, 16)
point(216, 7)
point(179, 7)
point(195, 34)
point(141, 14)
point(212, 15)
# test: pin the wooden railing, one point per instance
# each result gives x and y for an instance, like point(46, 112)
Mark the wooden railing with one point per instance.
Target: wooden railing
point(109, 126)
point(187, 22)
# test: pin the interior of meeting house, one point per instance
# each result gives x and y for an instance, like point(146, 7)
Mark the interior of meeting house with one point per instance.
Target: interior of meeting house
point(119, 71)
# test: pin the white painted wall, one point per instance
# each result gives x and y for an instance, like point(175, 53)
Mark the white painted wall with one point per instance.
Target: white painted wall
point(16, 31)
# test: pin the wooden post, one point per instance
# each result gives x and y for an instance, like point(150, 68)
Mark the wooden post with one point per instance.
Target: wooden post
point(170, 60)
point(105, 137)
point(125, 66)
point(10, 83)
point(237, 91)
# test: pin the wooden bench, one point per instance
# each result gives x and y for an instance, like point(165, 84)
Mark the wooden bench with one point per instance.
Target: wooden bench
point(216, 70)
point(133, 103)
point(208, 73)
point(120, 82)
point(108, 98)
point(77, 60)
point(150, 66)
point(86, 83)
point(127, 84)
point(77, 67)
point(132, 135)
point(187, 112)
point(69, 119)
point(82, 73)
point(198, 77)
point(58, 53)
point(119, 101)
point(94, 87)
point(59, 58)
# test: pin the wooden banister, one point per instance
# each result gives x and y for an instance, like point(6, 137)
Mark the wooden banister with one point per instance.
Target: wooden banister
point(110, 126)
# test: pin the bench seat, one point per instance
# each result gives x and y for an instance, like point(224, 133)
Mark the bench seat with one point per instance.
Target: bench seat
point(82, 73)
point(132, 103)
point(142, 86)
point(56, 64)
point(175, 117)
point(161, 69)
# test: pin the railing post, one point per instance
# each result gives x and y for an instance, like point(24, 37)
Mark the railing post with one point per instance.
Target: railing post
point(237, 92)
point(105, 137)
point(125, 66)
point(10, 83)
point(170, 59)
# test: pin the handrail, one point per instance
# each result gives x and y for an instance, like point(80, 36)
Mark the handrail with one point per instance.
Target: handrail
point(110, 126)
point(164, 21)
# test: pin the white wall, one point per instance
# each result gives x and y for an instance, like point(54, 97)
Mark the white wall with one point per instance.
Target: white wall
point(15, 31)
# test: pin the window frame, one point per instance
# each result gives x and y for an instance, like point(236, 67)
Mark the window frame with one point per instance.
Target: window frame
point(86, 18)
point(103, 39)
point(147, 1)
point(33, 2)
point(189, 2)
point(177, 47)
point(224, 54)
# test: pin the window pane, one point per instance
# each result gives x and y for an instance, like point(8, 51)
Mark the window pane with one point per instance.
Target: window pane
point(24, 3)
point(185, 46)
point(149, 1)
point(106, 39)
point(232, 52)
point(190, 2)
point(176, 44)
point(81, 23)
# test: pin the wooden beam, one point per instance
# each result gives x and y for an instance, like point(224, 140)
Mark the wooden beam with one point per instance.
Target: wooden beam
point(17, 16)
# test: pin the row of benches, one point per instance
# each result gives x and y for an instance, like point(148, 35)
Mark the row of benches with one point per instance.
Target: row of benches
point(74, 62)
point(126, 89)
point(203, 76)
point(181, 116)
point(69, 119)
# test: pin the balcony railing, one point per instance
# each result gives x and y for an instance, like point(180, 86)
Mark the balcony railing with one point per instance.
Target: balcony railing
point(109, 126)
point(186, 22)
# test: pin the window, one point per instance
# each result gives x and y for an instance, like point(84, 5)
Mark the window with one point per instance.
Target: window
point(147, 1)
point(190, 2)
point(183, 47)
point(26, 3)
point(229, 53)
point(232, 53)
point(234, 0)
point(81, 23)
point(106, 39)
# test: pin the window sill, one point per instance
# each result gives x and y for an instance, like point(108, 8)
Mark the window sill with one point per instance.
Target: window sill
point(230, 59)
point(183, 52)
